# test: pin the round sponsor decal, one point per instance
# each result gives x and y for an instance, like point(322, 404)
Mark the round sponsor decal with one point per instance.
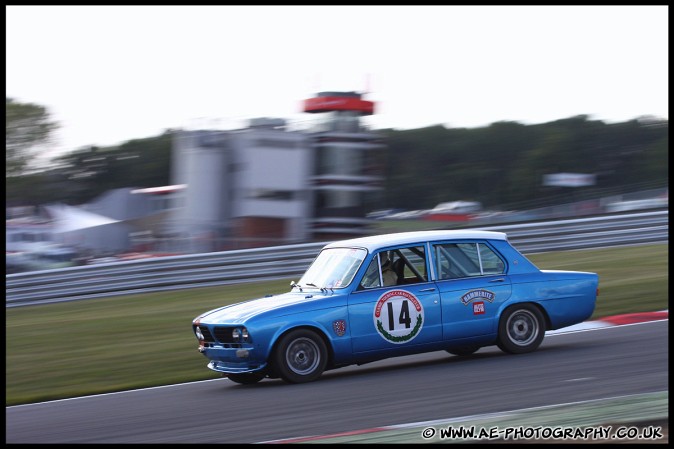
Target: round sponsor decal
point(398, 316)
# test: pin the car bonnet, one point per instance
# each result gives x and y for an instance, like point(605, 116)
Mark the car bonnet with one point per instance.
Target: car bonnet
point(240, 312)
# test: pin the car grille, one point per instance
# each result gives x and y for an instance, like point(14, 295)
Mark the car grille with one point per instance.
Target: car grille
point(206, 333)
point(223, 334)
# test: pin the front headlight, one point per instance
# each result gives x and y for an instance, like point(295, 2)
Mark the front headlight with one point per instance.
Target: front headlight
point(198, 333)
point(240, 334)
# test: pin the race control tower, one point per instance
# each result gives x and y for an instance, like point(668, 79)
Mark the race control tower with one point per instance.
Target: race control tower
point(348, 173)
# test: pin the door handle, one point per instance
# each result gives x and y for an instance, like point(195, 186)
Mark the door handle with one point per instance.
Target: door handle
point(430, 289)
point(498, 280)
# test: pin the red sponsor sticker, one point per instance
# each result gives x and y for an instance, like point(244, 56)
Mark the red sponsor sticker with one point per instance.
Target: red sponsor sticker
point(478, 308)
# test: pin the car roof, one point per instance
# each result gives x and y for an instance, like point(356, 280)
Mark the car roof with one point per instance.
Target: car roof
point(374, 242)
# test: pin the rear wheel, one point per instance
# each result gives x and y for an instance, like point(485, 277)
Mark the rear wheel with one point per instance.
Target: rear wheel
point(301, 356)
point(521, 329)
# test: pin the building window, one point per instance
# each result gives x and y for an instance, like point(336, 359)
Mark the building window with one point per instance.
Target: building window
point(339, 160)
point(276, 143)
point(270, 194)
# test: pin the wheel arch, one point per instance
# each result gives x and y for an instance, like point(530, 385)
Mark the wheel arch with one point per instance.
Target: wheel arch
point(539, 306)
point(319, 331)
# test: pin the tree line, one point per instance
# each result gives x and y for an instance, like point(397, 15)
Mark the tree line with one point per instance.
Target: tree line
point(503, 164)
point(500, 165)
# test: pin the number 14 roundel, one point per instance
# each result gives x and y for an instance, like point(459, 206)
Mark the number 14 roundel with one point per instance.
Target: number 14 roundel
point(398, 316)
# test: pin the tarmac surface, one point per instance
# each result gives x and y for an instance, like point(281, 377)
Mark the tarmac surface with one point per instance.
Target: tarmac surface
point(641, 418)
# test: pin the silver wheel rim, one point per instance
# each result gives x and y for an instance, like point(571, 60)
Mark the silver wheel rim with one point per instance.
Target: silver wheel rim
point(303, 356)
point(522, 327)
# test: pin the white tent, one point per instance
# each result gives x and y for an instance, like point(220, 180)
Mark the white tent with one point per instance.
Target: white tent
point(67, 218)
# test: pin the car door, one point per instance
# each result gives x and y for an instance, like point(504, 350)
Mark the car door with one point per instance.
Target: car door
point(472, 283)
point(393, 319)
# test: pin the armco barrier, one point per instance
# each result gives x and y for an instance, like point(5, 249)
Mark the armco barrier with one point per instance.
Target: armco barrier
point(284, 262)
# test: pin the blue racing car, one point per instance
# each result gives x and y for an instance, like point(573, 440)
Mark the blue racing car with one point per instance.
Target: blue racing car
point(376, 297)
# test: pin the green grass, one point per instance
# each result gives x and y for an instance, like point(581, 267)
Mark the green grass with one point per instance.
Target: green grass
point(101, 345)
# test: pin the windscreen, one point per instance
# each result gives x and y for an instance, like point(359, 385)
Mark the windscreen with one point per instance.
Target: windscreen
point(333, 268)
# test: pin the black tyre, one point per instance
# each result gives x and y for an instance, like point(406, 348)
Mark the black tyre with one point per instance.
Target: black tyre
point(300, 356)
point(246, 378)
point(521, 329)
point(463, 350)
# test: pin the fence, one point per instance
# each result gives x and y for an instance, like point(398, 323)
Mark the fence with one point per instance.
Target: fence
point(286, 262)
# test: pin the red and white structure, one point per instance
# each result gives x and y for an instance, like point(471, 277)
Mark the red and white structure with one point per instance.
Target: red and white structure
point(348, 175)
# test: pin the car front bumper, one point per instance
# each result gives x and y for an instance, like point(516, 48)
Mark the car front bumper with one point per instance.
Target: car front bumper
point(232, 360)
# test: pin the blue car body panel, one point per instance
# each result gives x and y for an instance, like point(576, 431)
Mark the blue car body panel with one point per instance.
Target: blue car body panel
point(360, 325)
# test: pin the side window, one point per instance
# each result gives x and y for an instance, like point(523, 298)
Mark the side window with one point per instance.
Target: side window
point(398, 266)
point(443, 263)
point(491, 263)
point(410, 265)
point(371, 277)
point(459, 260)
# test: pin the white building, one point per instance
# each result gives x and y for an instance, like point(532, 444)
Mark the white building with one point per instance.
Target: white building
point(267, 185)
point(244, 188)
point(262, 185)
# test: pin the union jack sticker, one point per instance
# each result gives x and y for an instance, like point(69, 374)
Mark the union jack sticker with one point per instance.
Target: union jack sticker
point(339, 327)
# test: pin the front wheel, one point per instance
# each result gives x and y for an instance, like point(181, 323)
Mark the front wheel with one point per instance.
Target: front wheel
point(246, 378)
point(521, 329)
point(462, 350)
point(301, 356)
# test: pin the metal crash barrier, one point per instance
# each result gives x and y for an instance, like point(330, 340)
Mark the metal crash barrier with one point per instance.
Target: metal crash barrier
point(286, 262)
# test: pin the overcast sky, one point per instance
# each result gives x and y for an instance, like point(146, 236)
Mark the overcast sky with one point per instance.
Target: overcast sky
point(109, 74)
